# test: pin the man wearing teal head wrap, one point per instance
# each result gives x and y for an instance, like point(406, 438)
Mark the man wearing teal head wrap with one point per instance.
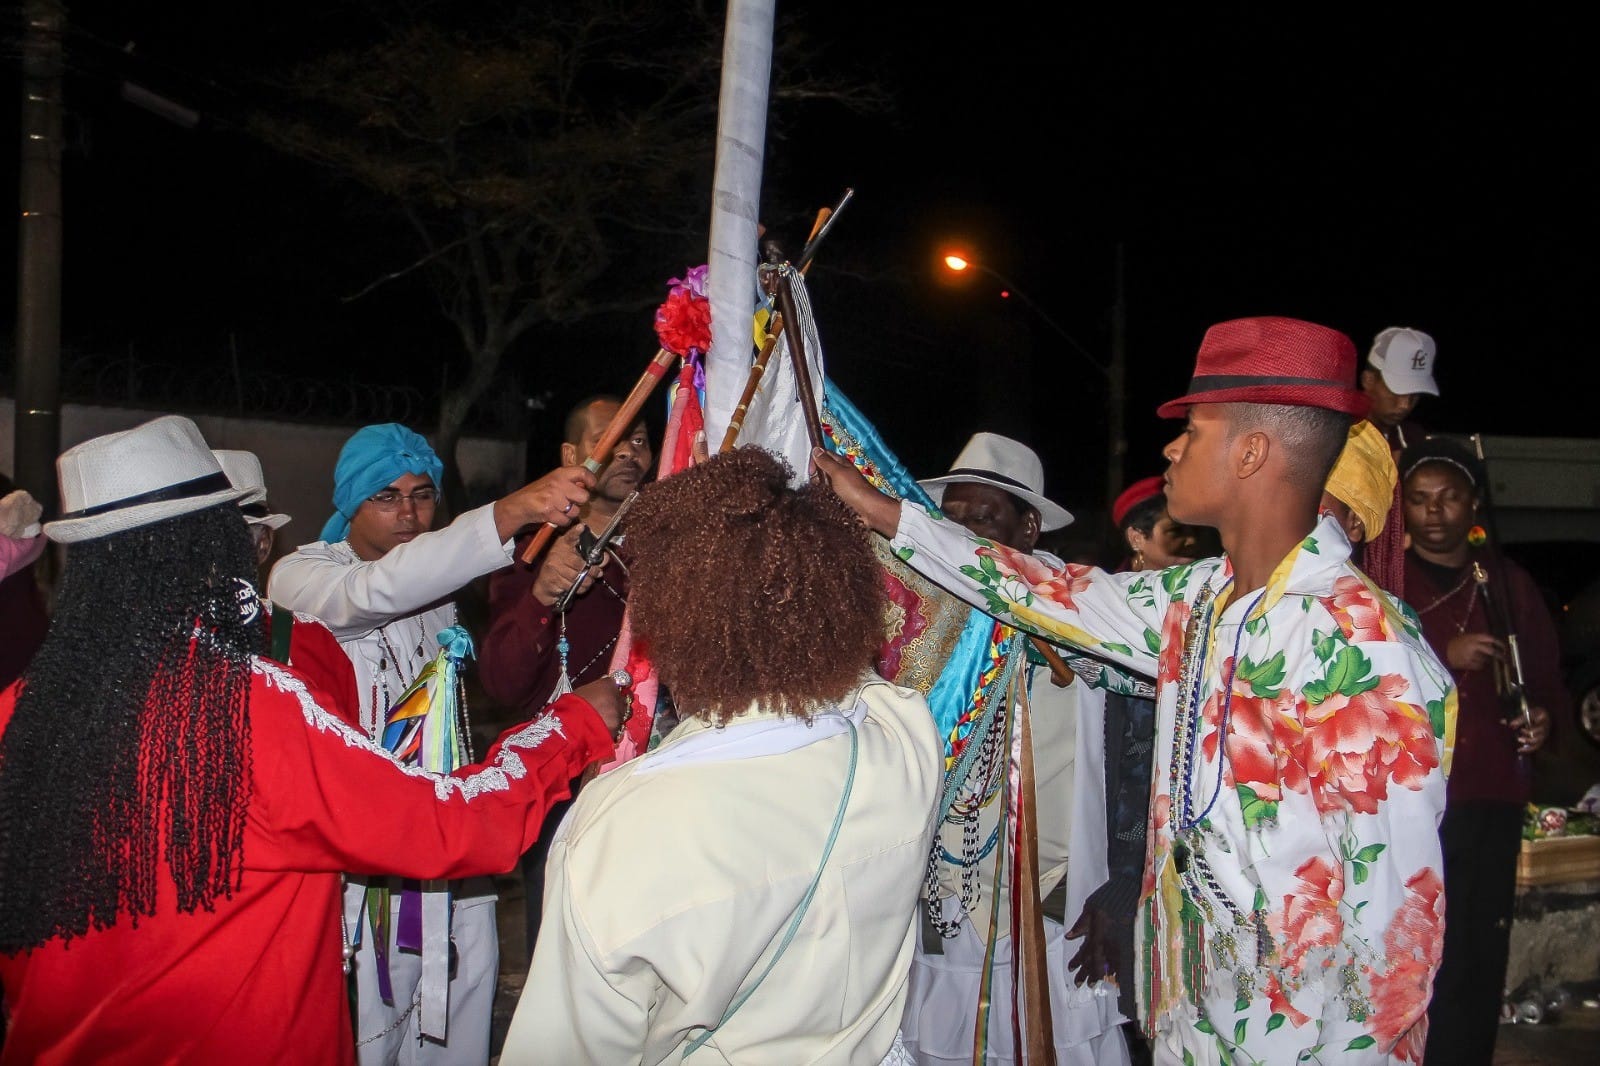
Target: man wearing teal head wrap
point(372, 458)
point(381, 578)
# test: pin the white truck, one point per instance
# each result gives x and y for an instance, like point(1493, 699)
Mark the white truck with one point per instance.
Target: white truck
point(1544, 499)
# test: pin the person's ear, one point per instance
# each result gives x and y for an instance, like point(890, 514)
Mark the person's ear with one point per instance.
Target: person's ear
point(569, 454)
point(1254, 447)
point(1030, 527)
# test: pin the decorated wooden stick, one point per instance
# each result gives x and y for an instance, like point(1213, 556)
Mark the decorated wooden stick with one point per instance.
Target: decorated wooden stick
point(620, 423)
point(774, 330)
point(797, 353)
point(751, 383)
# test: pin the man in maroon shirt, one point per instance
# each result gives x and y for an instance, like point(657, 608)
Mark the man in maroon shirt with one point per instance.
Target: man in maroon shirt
point(1470, 602)
point(520, 661)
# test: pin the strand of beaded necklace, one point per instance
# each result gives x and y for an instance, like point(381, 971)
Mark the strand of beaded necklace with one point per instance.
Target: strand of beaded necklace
point(1472, 598)
point(1187, 819)
point(563, 646)
point(380, 710)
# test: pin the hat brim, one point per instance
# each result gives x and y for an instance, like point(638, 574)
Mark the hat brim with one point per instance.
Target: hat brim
point(271, 521)
point(1407, 388)
point(1051, 515)
point(75, 530)
point(1332, 397)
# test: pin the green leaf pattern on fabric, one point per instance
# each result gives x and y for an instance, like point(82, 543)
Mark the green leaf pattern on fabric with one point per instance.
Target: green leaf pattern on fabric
point(1332, 686)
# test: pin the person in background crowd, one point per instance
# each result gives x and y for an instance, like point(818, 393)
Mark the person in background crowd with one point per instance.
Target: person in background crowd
point(302, 642)
point(1151, 541)
point(175, 809)
point(1471, 603)
point(22, 607)
point(522, 662)
point(1293, 897)
point(381, 578)
point(748, 888)
point(1360, 494)
point(1399, 372)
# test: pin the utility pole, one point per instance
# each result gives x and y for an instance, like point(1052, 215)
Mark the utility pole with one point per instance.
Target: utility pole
point(38, 383)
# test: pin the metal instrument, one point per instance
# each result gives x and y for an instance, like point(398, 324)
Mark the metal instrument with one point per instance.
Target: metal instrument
point(592, 549)
point(1509, 679)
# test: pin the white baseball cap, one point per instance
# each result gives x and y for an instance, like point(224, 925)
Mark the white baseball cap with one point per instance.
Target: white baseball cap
point(1404, 357)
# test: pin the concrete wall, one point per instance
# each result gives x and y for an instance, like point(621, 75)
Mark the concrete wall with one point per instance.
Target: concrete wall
point(296, 458)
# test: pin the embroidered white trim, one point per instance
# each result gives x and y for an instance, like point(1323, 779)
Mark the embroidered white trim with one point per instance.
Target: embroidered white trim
point(495, 777)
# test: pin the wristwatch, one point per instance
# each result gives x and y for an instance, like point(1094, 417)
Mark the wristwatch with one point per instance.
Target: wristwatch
point(624, 682)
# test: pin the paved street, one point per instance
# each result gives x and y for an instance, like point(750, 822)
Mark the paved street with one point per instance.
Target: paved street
point(1571, 1039)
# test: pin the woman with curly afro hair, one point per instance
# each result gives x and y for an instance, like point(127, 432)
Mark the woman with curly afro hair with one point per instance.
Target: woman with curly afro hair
point(745, 892)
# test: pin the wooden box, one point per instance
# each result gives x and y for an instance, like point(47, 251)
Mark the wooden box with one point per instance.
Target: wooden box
point(1559, 860)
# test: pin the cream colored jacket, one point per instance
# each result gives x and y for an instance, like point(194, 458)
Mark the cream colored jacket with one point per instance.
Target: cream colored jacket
point(666, 890)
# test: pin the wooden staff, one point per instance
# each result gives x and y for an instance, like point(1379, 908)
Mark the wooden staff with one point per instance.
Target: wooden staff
point(797, 355)
point(620, 423)
point(1058, 666)
point(758, 370)
point(751, 383)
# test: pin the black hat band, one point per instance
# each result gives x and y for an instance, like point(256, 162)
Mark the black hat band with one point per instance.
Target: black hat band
point(183, 490)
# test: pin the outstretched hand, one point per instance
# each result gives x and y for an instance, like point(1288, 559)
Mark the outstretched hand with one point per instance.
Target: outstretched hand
point(1094, 959)
point(877, 511)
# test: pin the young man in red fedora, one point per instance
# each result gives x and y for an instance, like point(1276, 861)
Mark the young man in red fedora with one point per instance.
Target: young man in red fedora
point(1293, 900)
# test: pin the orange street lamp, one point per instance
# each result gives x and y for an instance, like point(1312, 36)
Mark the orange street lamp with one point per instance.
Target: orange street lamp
point(1114, 372)
point(959, 263)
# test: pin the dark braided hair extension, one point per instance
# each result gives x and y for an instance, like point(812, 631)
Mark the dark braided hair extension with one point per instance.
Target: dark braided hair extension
point(129, 747)
point(1383, 557)
point(745, 590)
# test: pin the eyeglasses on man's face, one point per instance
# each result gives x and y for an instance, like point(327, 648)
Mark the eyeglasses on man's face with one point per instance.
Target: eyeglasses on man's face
point(390, 499)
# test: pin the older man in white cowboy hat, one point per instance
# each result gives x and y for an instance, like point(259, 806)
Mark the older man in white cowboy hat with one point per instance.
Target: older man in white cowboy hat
point(178, 808)
point(995, 488)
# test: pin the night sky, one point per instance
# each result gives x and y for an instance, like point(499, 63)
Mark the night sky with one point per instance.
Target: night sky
point(1362, 172)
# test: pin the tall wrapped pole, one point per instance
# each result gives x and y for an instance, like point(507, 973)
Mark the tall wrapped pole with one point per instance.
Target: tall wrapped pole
point(37, 426)
point(736, 205)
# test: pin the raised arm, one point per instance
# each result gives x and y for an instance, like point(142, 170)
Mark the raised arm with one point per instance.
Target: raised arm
point(1117, 617)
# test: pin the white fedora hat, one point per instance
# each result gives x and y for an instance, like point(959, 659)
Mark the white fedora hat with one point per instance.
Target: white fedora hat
point(125, 480)
point(990, 459)
point(244, 471)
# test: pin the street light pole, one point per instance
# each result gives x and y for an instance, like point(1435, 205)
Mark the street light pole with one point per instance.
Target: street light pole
point(1114, 372)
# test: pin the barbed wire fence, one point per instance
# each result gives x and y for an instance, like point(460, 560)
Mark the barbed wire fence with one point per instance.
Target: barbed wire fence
point(210, 379)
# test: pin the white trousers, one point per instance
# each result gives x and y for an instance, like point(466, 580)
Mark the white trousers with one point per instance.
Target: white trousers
point(391, 1035)
point(942, 1001)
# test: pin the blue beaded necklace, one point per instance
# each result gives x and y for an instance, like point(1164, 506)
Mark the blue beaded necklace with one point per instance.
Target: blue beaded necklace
point(1187, 819)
